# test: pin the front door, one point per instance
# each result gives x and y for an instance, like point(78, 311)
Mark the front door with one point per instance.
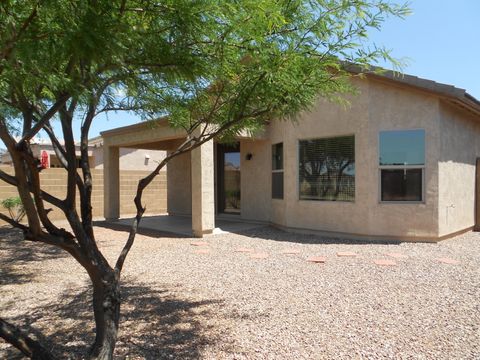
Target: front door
point(228, 178)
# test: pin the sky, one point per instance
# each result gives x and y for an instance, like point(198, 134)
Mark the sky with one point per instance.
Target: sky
point(440, 40)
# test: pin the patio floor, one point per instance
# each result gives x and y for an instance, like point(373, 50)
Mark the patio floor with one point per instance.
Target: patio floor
point(182, 225)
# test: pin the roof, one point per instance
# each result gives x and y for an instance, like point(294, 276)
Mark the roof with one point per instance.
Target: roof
point(457, 96)
point(36, 140)
point(450, 93)
point(96, 141)
point(138, 126)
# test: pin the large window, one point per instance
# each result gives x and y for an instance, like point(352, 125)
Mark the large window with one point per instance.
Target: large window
point(327, 169)
point(402, 165)
point(277, 171)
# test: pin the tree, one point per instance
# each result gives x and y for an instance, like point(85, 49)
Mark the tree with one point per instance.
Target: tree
point(213, 68)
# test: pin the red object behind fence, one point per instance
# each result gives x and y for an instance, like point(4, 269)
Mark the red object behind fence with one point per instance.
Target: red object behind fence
point(44, 160)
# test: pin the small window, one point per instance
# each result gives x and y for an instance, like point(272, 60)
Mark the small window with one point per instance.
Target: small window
point(327, 169)
point(402, 165)
point(277, 171)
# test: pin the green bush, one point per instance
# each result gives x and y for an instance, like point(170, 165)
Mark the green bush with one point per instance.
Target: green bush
point(15, 208)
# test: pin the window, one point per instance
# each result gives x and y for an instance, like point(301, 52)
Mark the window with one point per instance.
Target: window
point(327, 169)
point(402, 165)
point(277, 171)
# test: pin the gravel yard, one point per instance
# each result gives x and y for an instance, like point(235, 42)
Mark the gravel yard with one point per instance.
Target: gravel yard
point(215, 302)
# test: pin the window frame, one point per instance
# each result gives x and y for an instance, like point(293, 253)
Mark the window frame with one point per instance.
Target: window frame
point(282, 170)
point(401, 167)
point(297, 177)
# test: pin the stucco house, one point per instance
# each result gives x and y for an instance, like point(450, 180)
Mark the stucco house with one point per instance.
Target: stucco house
point(130, 159)
point(401, 162)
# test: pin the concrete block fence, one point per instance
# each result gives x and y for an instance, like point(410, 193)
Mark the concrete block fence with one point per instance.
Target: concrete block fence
point(54, 181)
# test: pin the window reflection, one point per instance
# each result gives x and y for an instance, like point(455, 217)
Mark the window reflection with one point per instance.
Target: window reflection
point(402, 147)
point(327, 169)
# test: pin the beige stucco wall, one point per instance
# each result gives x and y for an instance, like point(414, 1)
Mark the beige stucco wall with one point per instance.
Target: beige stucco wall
point(449, 169)
point(256, 193)
point(460, 146)
point(131, 159)
point(377, 107)
point(179, 197)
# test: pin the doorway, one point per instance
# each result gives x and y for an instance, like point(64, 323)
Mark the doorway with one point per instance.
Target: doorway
point(228, 178)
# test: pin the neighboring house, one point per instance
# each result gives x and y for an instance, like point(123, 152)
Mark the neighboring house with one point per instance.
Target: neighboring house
point(130, 159)
point(43, 150)
point(398, 163)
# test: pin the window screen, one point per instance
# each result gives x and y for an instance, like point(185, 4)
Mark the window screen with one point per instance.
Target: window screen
point(327, 169)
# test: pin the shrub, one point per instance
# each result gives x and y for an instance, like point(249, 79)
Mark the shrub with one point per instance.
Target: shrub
point(15, 208)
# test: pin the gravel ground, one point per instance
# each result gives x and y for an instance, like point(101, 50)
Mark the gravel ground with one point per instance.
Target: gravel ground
point(223, 304)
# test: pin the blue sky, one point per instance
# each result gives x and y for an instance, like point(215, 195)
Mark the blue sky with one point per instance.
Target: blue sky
point(441, 40)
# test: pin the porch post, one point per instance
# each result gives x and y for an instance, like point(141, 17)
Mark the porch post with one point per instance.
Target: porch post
point(111, 182)
point(203, 206)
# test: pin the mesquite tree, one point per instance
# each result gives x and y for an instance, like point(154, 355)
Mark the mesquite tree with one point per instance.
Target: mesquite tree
point(213, 68)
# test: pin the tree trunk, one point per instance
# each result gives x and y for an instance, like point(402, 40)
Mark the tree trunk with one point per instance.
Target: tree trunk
point(106, 307)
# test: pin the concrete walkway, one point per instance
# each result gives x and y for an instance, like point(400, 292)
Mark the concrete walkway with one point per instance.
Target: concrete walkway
point(182, 225)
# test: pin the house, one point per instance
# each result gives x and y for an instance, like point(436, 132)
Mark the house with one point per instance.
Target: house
point(401, 162)
point(130, 159)
point(43, 150)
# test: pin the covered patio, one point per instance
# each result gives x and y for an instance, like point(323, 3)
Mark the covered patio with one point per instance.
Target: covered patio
point(182, 225)
point(191, 192)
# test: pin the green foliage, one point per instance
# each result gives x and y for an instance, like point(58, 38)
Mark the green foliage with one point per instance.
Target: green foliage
point(214, 68)
point(15, 208)
point(206, 61)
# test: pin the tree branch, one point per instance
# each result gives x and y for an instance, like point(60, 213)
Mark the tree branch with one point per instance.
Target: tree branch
point(44, 119)
point(28, 346)
point(13, 222)
point(86, 198)
point(12, 180)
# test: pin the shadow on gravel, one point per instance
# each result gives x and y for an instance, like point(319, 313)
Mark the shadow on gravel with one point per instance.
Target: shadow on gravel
point(141, 231)
point(16, 252)
point(153, 325)
point(271, 233)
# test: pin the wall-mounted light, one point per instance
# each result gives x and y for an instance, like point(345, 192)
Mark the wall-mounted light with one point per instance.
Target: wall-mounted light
point(249, 156)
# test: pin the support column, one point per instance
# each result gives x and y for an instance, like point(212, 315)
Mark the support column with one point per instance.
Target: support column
point(203, 200)
point(111, 182)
